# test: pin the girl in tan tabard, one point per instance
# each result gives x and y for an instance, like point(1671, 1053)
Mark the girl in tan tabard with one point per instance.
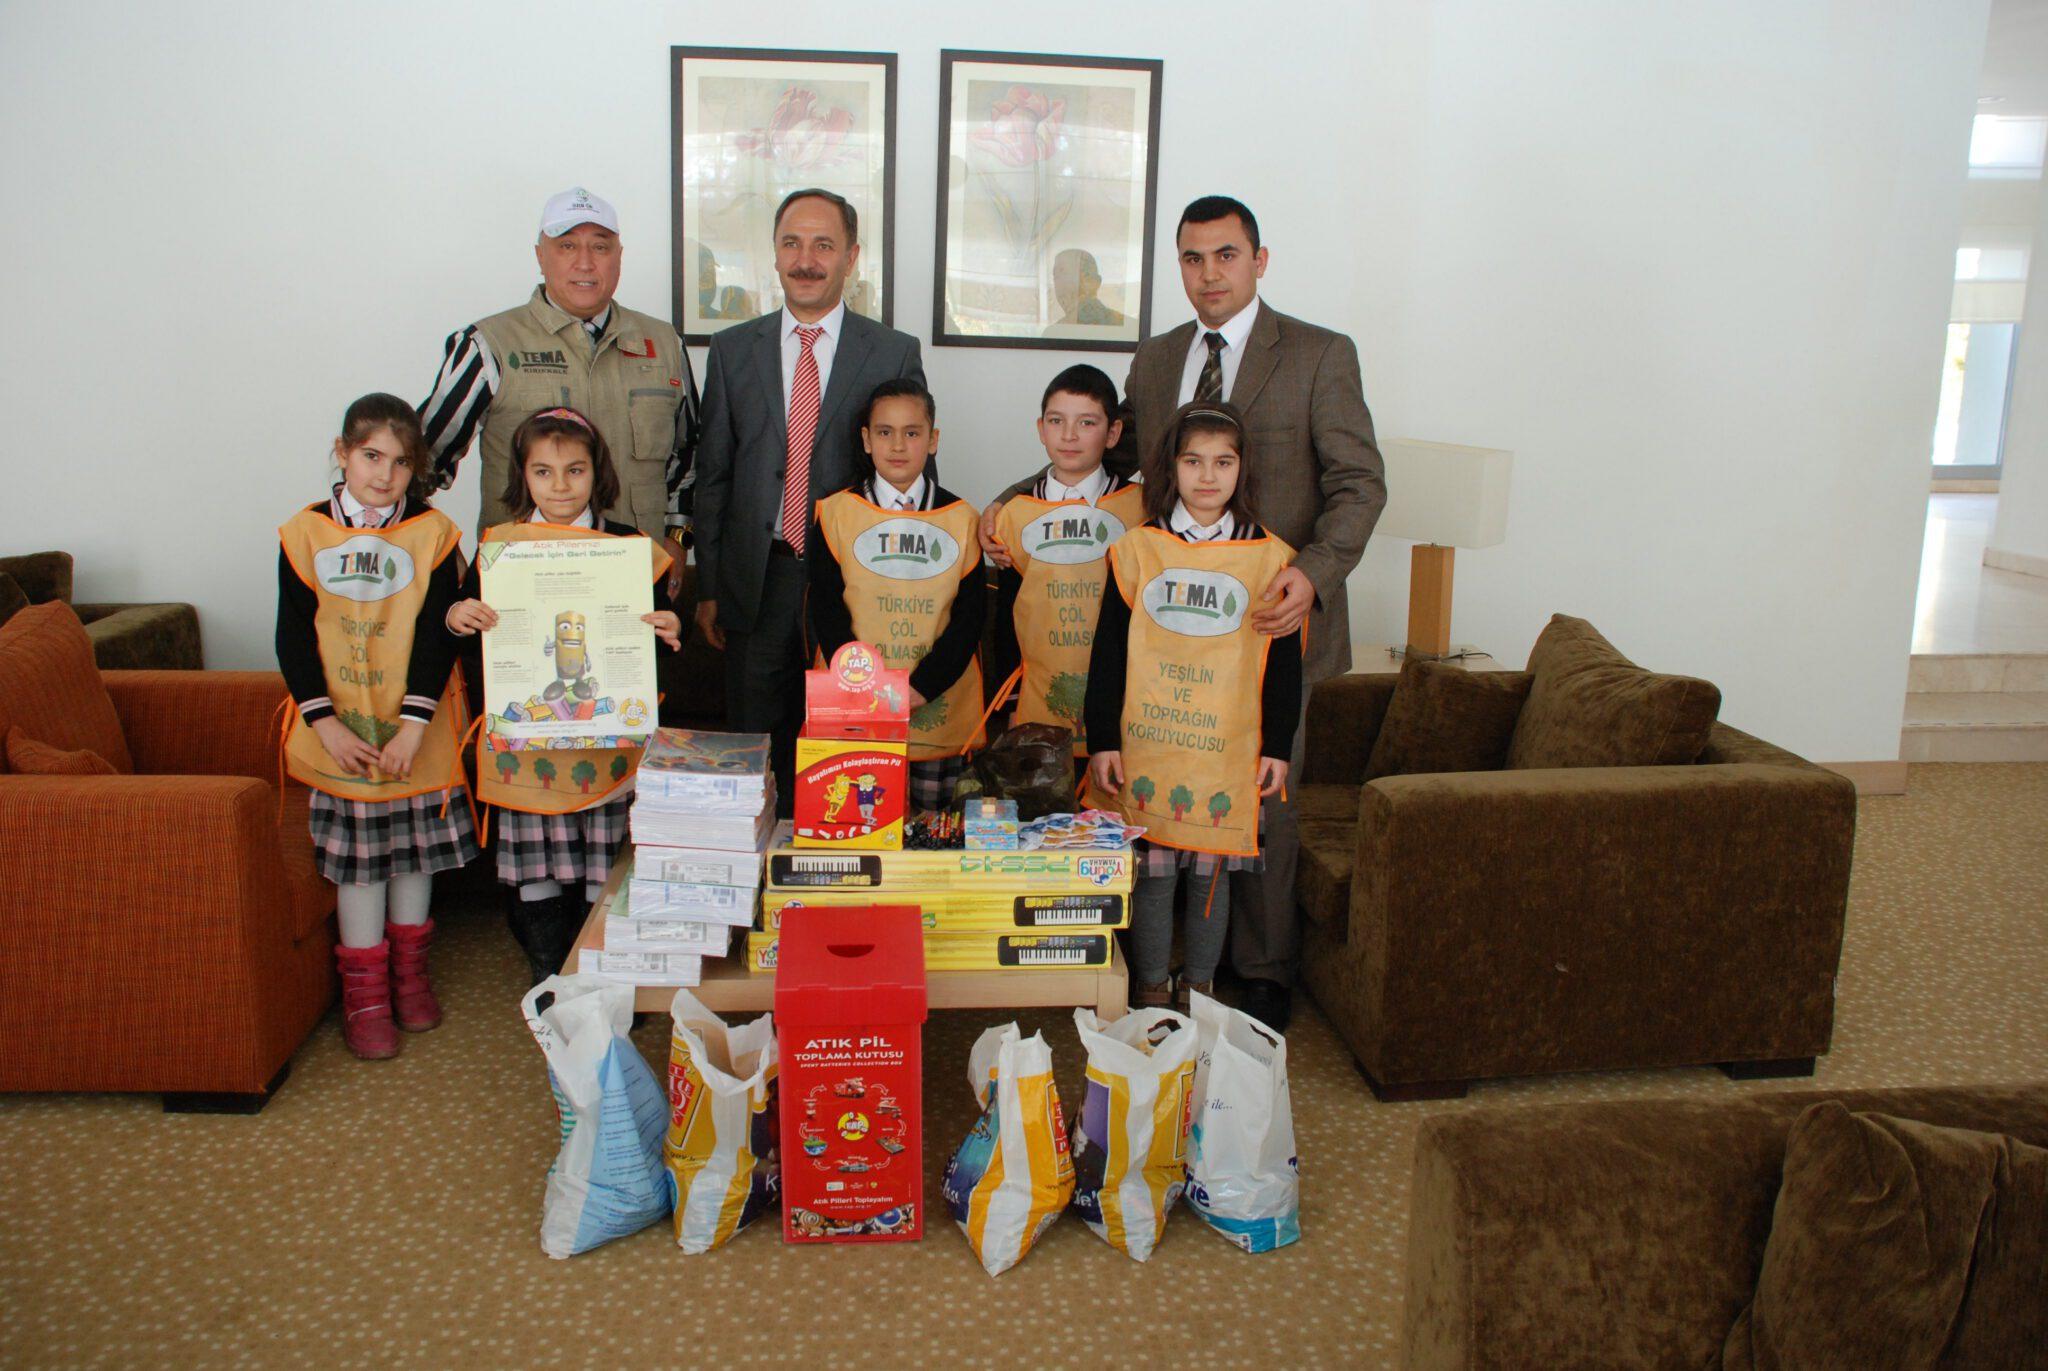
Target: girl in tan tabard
point(1190, 709)
point(364, 578)
point(556, 842)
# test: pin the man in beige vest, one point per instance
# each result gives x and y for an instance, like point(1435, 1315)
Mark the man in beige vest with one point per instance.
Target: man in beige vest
point(572, 344)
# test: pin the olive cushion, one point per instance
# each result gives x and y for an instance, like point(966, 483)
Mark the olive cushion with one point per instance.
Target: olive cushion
point(1590, 706)
point(1444, 718)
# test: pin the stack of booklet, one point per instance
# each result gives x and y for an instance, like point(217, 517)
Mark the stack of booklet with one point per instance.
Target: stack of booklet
point(703, 813)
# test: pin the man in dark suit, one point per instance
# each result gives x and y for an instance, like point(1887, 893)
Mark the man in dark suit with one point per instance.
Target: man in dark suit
point(1321, 487)
point(780, 396)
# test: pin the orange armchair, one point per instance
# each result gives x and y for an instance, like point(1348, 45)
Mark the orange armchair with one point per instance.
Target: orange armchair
point(167, 930)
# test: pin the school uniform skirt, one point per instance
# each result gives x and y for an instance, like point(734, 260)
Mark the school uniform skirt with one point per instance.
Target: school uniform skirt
point(367, 842)
point(574, 849)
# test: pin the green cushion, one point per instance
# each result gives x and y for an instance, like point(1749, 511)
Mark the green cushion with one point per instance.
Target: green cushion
point(1444, 718)
point(1590, 706)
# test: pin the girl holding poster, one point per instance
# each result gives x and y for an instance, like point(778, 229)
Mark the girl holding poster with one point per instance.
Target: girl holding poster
point(1198, 708)
point(563, 810)
point(364, 578)
point(897, 564)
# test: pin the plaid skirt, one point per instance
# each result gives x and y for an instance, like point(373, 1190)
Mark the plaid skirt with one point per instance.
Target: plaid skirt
point(574, 849)
point(931, 783)
point(367, 842)
point(1155, 859)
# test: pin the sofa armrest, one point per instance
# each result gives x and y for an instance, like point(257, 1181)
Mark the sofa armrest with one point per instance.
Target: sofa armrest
point(142, 637)
point(200, 723)
point(1605, 1234)
point(1705, 903)
point(149, 911)
point(1344, 718)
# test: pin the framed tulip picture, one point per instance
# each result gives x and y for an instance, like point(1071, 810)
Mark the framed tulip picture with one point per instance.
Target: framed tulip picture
point(1048, 178)
point(746, 127)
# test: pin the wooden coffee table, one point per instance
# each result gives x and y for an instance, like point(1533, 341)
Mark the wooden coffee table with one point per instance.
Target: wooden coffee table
point(729, 988)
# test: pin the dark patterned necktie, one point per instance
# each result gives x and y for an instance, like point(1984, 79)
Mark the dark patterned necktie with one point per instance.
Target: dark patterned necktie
point(1209, 385)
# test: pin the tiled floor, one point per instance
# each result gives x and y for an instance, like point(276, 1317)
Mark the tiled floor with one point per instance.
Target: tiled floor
point(1965, 606)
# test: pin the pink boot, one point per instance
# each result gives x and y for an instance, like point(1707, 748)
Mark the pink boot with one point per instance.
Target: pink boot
point(366, 1001)
point(412, 992)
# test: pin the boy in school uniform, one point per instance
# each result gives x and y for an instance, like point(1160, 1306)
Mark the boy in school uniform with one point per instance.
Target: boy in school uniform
point(1058, 538)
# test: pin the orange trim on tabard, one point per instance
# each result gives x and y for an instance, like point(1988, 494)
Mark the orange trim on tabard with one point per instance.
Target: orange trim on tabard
point(1002, 694)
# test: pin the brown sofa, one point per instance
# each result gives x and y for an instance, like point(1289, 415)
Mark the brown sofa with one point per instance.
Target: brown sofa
point(163, 927)
point(125, 637)
point(1625, 1233)
point(1476, 924)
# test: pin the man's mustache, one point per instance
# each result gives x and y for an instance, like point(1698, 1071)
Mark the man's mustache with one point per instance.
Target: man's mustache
point(806, 274)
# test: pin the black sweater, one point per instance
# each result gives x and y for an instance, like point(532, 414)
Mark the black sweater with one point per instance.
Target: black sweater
point(958, 641)
point(298, 642)
point(1109, 660)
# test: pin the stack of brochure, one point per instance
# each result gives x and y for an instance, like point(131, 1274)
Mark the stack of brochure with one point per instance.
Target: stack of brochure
point(703, 813)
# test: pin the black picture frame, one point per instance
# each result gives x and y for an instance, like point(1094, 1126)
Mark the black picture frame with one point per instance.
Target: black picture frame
point(687, 249)
point(1077, 335)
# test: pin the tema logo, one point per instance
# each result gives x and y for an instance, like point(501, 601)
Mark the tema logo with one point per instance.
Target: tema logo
point(907, 550)
point(1200, 604)
point(1070, 534)
point(364, 569)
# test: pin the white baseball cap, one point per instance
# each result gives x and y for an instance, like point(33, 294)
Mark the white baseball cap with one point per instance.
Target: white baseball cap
point(576, 206)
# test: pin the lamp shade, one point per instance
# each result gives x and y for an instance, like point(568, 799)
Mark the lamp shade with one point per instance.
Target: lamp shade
point(1444, 493)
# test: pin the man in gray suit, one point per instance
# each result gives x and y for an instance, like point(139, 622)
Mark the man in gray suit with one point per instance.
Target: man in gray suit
point(1322, 486)
point(780, 393)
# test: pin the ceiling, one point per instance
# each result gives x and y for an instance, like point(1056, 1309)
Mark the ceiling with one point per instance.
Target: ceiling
point(2016, 58)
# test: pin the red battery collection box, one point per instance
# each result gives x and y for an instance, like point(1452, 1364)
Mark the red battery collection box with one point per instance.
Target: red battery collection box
point(849, 1020)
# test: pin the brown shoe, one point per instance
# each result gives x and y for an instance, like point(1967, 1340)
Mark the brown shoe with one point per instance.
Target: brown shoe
point(1180, 995)
point(1158, 996)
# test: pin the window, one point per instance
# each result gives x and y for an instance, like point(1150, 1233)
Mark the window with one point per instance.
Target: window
point(2005, 145)
point(1976, 376)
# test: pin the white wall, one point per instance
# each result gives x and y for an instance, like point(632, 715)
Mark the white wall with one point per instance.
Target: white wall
point(1690, 262)
point(2019, 538)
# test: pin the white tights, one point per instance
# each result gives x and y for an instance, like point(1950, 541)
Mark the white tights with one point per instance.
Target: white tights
point(363, 908)
point(534, 891)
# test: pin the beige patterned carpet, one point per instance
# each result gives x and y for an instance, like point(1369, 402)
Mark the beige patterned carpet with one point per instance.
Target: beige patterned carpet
point(385, 1214)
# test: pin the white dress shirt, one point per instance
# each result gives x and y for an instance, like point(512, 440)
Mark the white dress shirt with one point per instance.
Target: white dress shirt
point(822, 350)
point(880, 492)
point(587, 519)
point(1236, 331)
point(1183, 523)
point(361, 515)
point(1093, 487)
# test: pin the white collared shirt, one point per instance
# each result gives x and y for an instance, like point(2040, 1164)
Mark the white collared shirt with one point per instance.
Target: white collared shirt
point(880, 492)
point(1183, 523)
point(360, 515)
point(1236, 331)
point(593, 329)
point(1093, 487)
point(587, 519)
point(822, 350)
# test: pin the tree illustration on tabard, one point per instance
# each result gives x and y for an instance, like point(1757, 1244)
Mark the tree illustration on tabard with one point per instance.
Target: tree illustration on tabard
point(1065, 695)
point(1219, 805)
point(1142, 790)
point(930, 714)
point(544, 769)
point(584, 773)
point(620, 766)
point(371, 730)
point(508, 762)
point(1181, 801)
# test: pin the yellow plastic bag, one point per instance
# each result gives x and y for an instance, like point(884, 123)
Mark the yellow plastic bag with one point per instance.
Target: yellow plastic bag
point(1131, 1141)
point(1012, 1175)
point(721, 1145)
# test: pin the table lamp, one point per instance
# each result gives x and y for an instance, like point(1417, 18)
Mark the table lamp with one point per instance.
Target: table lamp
point(1445, 497)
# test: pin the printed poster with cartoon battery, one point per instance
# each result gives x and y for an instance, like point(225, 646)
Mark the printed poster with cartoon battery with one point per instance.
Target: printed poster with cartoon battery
point(570, 664)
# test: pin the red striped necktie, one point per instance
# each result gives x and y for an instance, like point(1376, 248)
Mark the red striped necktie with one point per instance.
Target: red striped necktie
point(803, 427)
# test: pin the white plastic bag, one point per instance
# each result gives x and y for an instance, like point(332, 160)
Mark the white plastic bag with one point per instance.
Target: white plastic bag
point(721, 1149)
point(1130, 1143)
point(1012, 1174)
point(607, 1179)
point(1243, 1174)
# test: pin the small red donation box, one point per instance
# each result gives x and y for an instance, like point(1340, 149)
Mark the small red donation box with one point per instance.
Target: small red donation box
point(849, 1021)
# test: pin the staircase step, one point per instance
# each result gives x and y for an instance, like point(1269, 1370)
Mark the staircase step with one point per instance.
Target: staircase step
point(1975, 726)
point(1977, 672)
